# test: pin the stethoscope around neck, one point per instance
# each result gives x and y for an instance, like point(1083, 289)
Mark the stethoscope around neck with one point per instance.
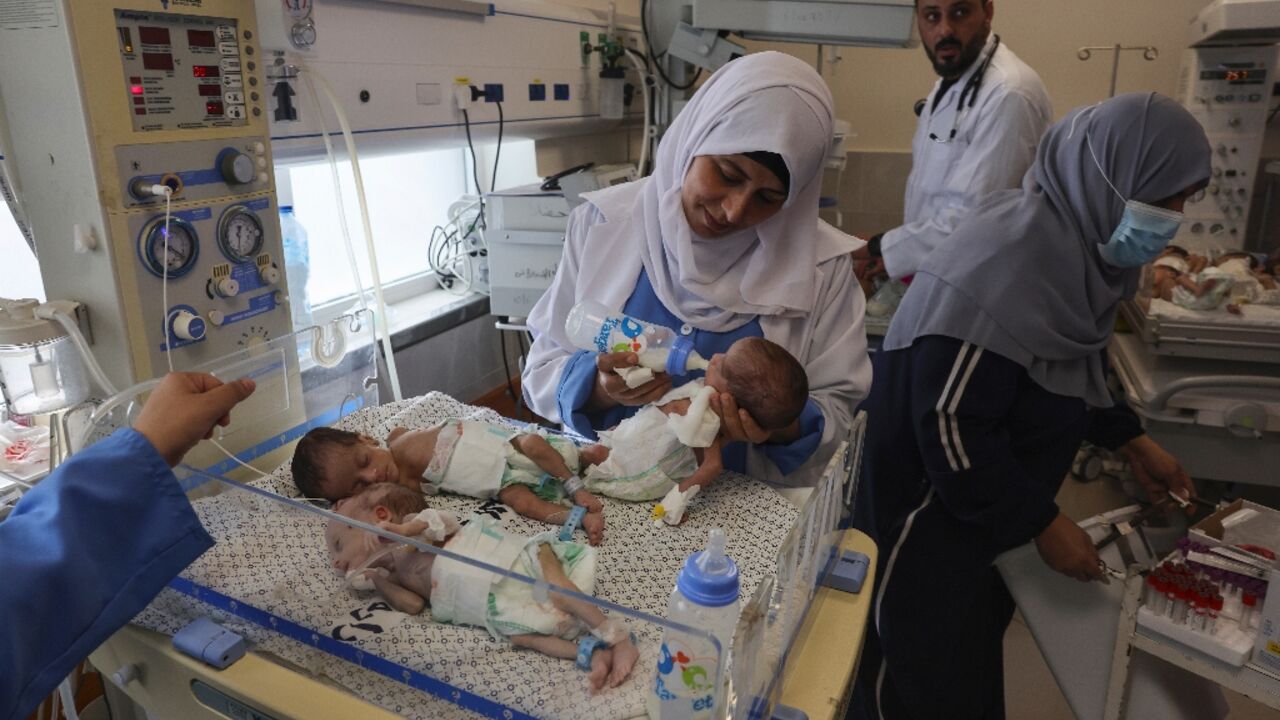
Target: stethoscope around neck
point(968, 96)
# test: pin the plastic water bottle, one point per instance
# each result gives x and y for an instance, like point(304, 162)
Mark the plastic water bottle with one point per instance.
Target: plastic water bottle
point(297, 267)
point(706, 597)
point(592, 326)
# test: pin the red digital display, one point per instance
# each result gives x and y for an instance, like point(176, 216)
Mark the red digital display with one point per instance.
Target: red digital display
point(153, 35)
point(157, 61)
point(201, 38)
point(213, 107)
point(211, 90)
point(135, 89)
point(205, 71)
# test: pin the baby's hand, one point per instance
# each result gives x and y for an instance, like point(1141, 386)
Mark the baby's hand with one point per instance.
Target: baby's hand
point(588, 501)
point(593, 523)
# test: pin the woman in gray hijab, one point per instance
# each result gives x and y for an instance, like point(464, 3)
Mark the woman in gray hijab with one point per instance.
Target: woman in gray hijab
point(979, 398)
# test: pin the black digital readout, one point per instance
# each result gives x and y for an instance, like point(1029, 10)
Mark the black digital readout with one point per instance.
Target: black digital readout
point(205, 71)
point(1235, 77)
point(213, 107)
point(201, 39)
point(157, 61)
point(153, 35)
point(211, 90)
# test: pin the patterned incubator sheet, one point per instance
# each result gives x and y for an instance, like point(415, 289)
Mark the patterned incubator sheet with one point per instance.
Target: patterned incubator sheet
point(269, 579)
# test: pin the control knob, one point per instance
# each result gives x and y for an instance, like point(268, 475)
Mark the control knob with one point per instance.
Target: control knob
point(236, 168)
point(270, 275)
point(187, 326)
point(226, 287)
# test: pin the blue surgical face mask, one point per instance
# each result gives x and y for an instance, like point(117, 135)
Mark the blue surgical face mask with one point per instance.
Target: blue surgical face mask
point(1143, 232)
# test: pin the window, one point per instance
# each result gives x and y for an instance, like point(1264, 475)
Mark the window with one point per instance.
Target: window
point(21, 271)
point(408, 195)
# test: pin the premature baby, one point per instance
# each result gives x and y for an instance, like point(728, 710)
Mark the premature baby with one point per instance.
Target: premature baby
point(1193, 282)
point(410, 580)
point(672, 448)
point(528, 472)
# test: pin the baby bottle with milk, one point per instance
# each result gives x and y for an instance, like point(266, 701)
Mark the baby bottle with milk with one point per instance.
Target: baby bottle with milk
point(592, 326)
point(706, 597)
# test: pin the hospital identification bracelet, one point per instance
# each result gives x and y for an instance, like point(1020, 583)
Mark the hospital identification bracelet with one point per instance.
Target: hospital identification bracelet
point(573, 484)
point(575, 519)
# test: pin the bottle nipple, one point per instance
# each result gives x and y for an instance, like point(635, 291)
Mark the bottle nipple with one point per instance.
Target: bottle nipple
point(712, 560)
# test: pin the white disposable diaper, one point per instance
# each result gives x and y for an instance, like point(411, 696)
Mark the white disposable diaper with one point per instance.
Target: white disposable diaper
point(645, 459)
point(473, 456)
point(460, 592)
point(513, 609)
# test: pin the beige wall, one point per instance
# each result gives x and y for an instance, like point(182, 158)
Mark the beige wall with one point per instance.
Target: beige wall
point(875, 89)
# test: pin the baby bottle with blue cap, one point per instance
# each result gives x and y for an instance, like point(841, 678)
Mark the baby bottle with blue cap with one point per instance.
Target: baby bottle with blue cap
point(689, 667)
point(593, 326)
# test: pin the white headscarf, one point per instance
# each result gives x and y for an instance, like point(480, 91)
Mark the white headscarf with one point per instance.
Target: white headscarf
point(761, 102)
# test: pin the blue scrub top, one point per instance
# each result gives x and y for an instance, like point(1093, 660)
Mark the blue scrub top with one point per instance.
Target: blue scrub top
point(81, 554)
point(579, 378)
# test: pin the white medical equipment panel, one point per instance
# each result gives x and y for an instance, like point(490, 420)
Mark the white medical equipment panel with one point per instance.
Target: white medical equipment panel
point(106, 101)
point(398, 68)
point(526, 240)
point(171, 60)
point(1228, 90)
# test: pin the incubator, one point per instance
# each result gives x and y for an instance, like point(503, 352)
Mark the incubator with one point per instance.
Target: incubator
point(270, 577)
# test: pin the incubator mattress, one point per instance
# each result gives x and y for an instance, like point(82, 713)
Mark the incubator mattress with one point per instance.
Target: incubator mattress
point(276, 561)
point(1265, 315)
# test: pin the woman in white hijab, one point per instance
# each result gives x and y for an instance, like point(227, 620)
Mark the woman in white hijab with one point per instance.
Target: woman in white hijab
point(723, 241)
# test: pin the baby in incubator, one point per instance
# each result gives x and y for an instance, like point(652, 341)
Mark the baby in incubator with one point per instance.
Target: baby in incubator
point(530, 473)
point(457, 593)
point(1193, 282)
point(671, 448)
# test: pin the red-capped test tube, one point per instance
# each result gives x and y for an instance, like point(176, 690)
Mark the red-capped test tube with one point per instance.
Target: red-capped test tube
point(1248, 611)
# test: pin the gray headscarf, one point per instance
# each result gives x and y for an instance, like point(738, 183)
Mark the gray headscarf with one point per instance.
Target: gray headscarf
point(1022, 277)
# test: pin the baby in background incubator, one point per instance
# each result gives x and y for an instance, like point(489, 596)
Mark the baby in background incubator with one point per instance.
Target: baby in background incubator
point(1194, 282)
point(671, 448)
point(411, 580)
point(528, 472)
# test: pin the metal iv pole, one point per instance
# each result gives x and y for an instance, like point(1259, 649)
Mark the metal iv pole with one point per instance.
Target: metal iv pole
point(1149, 53)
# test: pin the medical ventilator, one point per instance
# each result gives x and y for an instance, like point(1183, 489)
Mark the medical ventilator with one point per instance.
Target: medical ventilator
point(689, 667)
point(592, 326)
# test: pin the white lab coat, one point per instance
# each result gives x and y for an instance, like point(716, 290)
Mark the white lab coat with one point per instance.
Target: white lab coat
point(995, 144)
point(602, 263)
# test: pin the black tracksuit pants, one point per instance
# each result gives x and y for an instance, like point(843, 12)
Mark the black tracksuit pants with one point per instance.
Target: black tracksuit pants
point(964, 455)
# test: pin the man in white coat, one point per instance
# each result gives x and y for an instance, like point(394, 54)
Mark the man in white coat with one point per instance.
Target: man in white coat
point(977, 131)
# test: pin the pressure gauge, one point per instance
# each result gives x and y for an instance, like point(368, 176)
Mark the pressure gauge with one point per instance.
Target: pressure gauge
point(240, 234)
point(175, 257)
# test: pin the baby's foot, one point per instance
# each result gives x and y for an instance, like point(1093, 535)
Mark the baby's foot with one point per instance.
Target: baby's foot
point(588, 501)
point(625, 655)
point(593, 523)
point(594, 454)
point(601, 664)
